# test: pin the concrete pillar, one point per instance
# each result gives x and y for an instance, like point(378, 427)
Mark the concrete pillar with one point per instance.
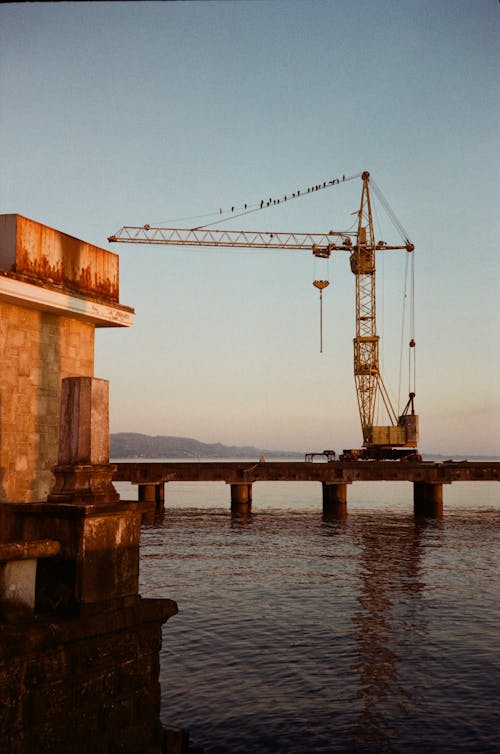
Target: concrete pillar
point(84, 425)
point(83, 472)
point(335, 498)
point(153, 493)
point(428, 499)
point(241, 495)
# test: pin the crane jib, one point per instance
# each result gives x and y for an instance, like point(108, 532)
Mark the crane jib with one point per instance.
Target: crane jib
point(321, 244)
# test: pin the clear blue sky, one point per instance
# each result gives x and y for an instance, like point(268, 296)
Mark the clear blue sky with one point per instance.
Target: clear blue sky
point(132, 113)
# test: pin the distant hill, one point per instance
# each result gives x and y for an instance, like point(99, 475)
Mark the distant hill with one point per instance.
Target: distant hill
point(135, 445)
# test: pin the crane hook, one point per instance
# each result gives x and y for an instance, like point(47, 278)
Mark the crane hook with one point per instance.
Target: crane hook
point(321, 285)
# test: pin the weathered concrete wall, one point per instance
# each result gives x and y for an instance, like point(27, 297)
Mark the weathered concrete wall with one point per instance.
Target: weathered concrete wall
point(35, 251)
point(37, 350)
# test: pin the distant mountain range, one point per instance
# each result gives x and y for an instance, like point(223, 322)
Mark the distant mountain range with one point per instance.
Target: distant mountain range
point(135, 445)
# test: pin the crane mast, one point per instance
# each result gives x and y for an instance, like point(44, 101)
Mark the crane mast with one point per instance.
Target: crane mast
point(399, 437)
point(366, 342)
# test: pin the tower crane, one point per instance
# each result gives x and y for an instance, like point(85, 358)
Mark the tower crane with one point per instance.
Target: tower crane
point(398, 438)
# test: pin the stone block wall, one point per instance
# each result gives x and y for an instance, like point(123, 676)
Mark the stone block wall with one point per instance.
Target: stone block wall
point(37, 350)
point(84, 686)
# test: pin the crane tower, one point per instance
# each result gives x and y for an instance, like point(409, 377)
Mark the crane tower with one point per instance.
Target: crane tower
point(398, 438)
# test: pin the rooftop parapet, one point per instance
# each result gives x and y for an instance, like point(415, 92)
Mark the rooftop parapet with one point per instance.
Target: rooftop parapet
point(42, 255)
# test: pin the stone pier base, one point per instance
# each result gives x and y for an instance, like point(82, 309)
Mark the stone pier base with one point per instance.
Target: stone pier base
point(83, 483)
point(82, 673)
point(99, 550)
point(84, 684)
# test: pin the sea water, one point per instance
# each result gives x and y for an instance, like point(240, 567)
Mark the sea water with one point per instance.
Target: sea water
point(298, 633)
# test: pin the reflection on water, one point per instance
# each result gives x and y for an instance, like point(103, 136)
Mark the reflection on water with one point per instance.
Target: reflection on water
point(301, 634)
point(389, 618)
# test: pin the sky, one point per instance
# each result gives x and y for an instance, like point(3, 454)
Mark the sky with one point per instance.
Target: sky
point(117, 114)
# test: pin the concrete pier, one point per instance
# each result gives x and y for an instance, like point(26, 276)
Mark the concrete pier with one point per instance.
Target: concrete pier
point(428, 499)
point(334, 499)
point(427, 477)
point(154, 495)
point(241, 496)
point(91, 637)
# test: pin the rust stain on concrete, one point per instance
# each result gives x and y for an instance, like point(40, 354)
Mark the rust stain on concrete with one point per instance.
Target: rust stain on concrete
point(45, 255)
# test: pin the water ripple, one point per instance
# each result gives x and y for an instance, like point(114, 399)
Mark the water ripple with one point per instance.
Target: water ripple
point(300, 635)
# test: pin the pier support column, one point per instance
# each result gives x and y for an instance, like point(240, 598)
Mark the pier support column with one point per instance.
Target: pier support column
point(241, 496)
point(335, 498)
point(153, 493)
point(428, 498)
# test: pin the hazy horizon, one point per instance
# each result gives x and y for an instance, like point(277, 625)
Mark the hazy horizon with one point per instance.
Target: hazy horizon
point(296, 450)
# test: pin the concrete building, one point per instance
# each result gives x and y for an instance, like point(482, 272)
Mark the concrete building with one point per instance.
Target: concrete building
point(54, 291)
point(79, 646)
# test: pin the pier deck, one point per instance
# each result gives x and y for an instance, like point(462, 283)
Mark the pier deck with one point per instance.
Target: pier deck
point(428, 477)
point(232, 472)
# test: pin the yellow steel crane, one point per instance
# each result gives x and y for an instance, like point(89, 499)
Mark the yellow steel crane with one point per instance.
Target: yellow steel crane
point(398, 438)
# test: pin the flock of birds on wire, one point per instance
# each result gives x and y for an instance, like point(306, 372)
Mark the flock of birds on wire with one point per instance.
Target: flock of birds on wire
point(246, 208)
point(294, 195)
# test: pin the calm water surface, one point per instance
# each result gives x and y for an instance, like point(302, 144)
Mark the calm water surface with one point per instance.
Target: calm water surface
point(299, 634)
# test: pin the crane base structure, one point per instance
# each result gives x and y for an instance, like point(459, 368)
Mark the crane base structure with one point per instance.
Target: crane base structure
point(380, 453)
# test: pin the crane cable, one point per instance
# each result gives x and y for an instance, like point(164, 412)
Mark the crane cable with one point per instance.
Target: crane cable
point(412, 361)
point(403, 318)
point(409, 282)
point(247, 209)
point(412, 388)
point(321, 284)
point(265, 203)
point(390, 212)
